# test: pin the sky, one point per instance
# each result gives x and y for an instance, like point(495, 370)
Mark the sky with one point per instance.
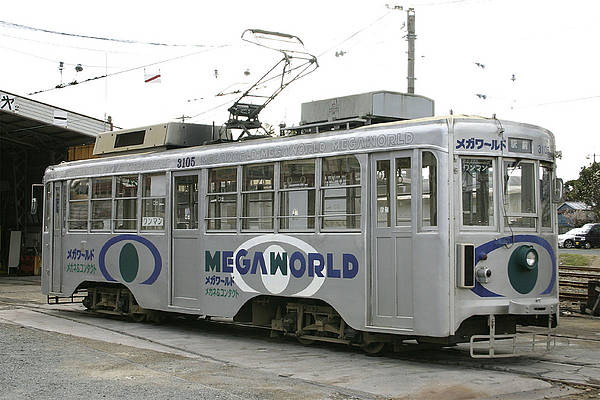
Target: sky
point(549, 46)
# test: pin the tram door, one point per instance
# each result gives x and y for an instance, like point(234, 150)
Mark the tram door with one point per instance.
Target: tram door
point(185, 266)
point(391, 276)
point(58, 209)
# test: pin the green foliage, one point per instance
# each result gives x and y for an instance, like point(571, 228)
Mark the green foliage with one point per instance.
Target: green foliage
point(586, 188)
point(575, 259)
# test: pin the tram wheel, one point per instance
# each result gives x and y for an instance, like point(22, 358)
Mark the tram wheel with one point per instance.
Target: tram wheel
point(373, 348)
point(87, 302)
point(138, 317)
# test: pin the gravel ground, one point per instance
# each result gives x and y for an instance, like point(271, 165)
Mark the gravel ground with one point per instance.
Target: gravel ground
point(43, 365)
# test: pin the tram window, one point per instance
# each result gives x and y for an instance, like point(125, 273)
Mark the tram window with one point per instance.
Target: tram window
point(545, 194)
point(429, 189)
point(126, 188)
point(297, 195)
point(154, 189)
point(186, 202)
point(477, 192)
point(258, 197)
point(403, 192)
point(383, 193)
point(340, 189)
point(222, 199)
point(48, 208)
point(519, 194)
point(78, 204)
point(101, 204)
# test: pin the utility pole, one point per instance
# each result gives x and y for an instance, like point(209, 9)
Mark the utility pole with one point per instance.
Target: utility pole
point(410, 38)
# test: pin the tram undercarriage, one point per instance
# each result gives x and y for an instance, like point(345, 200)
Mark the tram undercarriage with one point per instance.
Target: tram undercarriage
point(310, 320)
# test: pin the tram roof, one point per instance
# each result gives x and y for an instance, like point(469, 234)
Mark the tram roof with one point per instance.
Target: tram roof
point(157, 160)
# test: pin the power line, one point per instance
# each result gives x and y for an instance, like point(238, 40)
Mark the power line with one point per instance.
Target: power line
point(211, 109)
point(52, 60)
point(562, 101)
point(61, 86)
point(66, 45)
point(354, 34)
point(128, 41)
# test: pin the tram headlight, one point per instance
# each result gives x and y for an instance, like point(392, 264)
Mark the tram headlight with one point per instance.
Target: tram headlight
point(527, 257)
point(531, 258)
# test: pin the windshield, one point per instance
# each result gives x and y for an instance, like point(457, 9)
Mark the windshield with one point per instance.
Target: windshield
point(585, 229)
point(572, 231)
point(519, 193)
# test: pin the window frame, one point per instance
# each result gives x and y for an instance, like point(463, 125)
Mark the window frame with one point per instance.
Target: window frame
point(116, 199)
point(551, 169)
point(420, 216)
point(495, 192)
point(141, 198)
point(196, 174)
point(398, 156)
point(320, 214)
point(505, 211)
point(207, 195)
point(101, 199)
point(279, 218)
point(273, 191)
point(89, 205)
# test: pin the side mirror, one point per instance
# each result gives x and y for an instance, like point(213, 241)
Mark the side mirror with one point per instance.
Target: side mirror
point(34, 205)
point(557, 194)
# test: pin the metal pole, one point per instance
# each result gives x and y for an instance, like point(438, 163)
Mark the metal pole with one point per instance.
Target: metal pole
point(410, 37)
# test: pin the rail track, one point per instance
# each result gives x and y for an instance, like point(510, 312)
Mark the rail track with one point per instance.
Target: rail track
point(449, 358)
point(573, 281)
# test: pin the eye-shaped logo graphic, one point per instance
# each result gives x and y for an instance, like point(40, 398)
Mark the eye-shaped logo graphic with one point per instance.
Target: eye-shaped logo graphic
point(490, 246)
point(278, 282)
point(129, 260)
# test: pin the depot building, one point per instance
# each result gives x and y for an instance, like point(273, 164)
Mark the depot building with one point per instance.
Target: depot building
point(33, 136)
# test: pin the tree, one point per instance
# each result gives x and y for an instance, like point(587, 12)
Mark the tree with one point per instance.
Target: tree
point(578, 218)
point(586, 188)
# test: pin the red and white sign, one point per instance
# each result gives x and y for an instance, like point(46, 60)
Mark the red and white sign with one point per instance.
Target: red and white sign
point(152, 77)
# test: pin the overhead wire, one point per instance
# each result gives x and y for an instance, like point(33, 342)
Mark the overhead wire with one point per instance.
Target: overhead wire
point(354, 34)
point(66, 45)
point(61, 86)
point(53, 60)
point(102, 38)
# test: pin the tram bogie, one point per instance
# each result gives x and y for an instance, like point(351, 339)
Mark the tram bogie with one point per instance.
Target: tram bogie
point(435, 229)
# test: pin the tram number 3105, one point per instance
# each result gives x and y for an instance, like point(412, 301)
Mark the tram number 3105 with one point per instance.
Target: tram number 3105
point(186, 162)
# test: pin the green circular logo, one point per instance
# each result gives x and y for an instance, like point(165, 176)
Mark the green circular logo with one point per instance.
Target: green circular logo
point(129, 262)
point(521, 274)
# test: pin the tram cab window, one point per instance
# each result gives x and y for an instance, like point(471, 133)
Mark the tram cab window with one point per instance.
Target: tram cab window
point(429, 189)
point(519, 194)
point(78, 204)
point(101, 204)
point(154, 189)
point(222, 199)
point(477, 192)
point(545, 176)
point(340, 193)
point(297, 195)
point(126, 190)
point(258, 197)
point(186, 202)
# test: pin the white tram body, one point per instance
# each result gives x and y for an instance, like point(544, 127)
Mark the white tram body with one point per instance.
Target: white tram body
point(414, 229)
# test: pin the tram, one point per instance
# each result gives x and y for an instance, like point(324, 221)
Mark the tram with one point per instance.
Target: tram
point(440, 229)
